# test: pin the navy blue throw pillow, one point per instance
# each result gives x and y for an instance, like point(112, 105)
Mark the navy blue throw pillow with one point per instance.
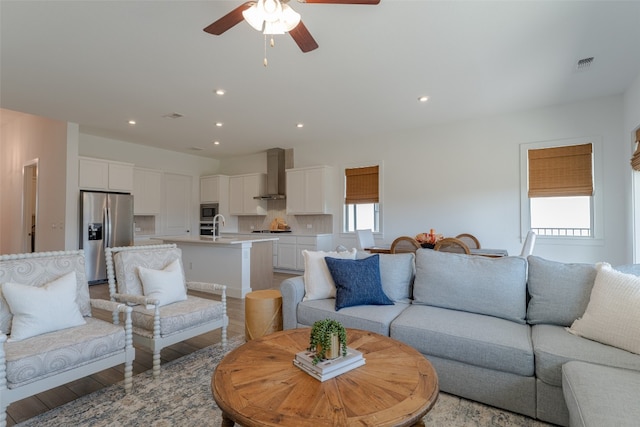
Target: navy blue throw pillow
point(357, 281)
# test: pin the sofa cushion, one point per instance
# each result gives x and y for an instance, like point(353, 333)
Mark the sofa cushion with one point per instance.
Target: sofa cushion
point(318, 283)
point(396, 272)
point(370, 318)
point(471, 338)
point(613, 313)
point(482, 285)
point(600, 395)
point(554, 346)
point(559, 291)
point(48, 354)
point(357, 282)
point(40, 309)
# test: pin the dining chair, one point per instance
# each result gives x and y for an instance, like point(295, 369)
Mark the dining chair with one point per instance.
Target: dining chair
point(452, 244)
point(529, 242)
point(365, 239)
point(470, 240)
point(404, 244)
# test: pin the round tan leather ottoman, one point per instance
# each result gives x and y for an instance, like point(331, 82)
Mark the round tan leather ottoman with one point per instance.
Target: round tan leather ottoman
point(262, 313)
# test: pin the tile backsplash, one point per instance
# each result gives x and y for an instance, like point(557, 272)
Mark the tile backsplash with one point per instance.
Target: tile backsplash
point(320, 224)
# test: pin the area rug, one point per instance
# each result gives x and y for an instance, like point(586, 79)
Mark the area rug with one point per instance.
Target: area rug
point(182, 397)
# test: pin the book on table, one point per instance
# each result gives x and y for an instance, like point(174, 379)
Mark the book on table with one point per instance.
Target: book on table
point(328, 368)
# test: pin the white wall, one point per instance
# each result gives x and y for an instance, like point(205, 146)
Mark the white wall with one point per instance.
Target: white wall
point(465, 176)
point(455, 177)
point(24, 138)
point(632, 185)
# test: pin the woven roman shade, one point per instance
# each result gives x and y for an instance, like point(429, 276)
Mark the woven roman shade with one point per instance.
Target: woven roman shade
point(635, 160)
point(362, 185)
point(561, 171)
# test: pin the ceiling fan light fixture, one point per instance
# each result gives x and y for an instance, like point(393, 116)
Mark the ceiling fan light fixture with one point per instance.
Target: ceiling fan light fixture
point(253, 16)
point(271, 17)
point(290, 17)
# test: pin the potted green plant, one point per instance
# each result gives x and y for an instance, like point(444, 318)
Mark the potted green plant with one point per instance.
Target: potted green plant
point(328, 340)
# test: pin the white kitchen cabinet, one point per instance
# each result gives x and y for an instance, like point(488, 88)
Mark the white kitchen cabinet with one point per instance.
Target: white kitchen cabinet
point(213, 188)
point(309, 190)
point(242, 190)
point(178, 210)
point(105, 175)
point(287, 257)
point(147, 191)
point(290, 249)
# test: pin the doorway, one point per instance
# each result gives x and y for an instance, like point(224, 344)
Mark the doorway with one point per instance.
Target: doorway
point(29, 205)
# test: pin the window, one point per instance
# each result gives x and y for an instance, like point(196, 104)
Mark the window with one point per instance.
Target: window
point(559, 189)
point(362, 197)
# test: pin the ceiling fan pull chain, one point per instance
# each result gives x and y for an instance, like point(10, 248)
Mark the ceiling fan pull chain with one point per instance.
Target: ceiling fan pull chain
point(272, 43)
point(265, 51)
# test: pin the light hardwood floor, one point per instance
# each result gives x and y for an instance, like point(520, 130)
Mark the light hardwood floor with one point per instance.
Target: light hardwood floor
point(32, 406)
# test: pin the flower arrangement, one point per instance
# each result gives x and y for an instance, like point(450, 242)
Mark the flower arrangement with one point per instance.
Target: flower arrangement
point(324, 335)
point(430, 238)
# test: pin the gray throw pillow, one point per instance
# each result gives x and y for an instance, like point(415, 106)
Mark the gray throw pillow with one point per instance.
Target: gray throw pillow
point(559, 291)
point(396, 272)
point(476, 284)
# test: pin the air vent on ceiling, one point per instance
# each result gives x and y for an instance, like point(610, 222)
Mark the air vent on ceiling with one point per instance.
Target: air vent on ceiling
point(196, 148)
point(173, 116)
point(584, 63)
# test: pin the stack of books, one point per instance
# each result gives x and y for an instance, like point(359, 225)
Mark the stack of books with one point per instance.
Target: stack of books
point(326, 369)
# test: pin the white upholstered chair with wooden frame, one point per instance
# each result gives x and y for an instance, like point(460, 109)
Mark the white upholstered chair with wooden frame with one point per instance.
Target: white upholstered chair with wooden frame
point(529, 243)
point(151, 279)
point(49, 337)
point(365, 239)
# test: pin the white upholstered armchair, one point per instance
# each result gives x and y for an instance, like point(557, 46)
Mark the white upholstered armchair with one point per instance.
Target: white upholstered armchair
point(151, 279)
point(47, 335)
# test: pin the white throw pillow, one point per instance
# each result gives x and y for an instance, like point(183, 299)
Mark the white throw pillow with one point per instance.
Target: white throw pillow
point(165, 285)
point(612, 316)
point(38, 310)
point(318, 283)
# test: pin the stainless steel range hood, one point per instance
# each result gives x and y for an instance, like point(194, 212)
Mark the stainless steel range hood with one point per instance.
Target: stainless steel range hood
point(276, 185)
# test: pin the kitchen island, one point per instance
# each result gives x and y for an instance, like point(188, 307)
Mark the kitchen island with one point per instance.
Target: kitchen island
point(243, 263)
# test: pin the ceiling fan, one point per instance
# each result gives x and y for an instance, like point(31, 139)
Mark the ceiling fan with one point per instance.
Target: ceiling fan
point(275, 17)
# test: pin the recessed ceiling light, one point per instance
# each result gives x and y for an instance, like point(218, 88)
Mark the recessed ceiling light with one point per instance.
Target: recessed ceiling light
point(132, 122)
point(423, 98)
point(300, 125)
point(220, 92)
point(216, 142)
point(219, 124)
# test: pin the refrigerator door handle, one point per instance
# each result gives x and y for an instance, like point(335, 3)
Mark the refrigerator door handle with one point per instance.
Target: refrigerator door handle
point(107, 227)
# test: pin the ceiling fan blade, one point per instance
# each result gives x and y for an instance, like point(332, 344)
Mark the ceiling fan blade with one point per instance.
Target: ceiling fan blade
point(229, 20)
point(303, 38)
point(341, 1)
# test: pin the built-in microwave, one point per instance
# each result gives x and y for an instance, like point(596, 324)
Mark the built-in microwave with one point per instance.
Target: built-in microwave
point(208, 211)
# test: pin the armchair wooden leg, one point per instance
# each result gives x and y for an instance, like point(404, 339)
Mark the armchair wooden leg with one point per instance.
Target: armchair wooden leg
point(156, 364)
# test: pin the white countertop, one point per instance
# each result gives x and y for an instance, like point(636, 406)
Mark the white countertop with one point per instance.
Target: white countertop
point(225, 240)
point(245, 233)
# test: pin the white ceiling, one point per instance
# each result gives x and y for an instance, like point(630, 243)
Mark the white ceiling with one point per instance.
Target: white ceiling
point(101, 63)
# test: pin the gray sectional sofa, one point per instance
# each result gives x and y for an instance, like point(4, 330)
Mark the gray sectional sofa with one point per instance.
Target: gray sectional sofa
point(495, 329)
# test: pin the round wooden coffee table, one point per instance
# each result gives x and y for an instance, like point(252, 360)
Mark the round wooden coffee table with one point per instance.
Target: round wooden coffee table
point(258, 385)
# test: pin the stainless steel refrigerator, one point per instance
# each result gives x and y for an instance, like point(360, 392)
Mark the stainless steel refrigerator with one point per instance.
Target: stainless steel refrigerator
point(106, 220)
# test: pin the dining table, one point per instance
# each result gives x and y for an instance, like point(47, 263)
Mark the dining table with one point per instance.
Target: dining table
point(491, 253)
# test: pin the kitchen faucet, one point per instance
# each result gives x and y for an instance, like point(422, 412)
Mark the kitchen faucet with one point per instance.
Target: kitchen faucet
point(216, 230)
